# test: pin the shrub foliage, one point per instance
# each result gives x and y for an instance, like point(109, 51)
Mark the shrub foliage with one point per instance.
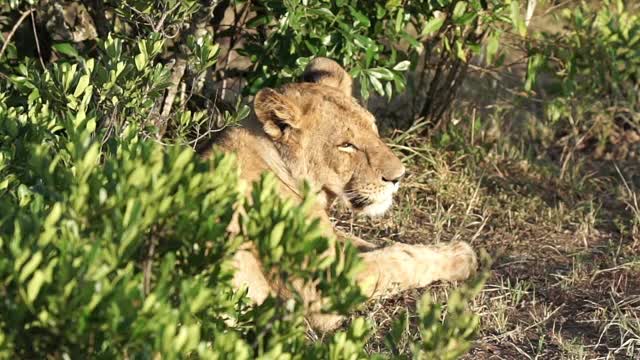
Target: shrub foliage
point(594, 68)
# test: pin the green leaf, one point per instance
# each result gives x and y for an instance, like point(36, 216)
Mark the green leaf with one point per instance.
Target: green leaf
point(322, 12)
point(388, 90)
point(465, 19)
point(459, 10)
point(275, 237)
point(516, 18)
point(82, 85)
point(90, 160)
point(381, 73)
point(432, 26)
point(493, 43)
point(534, 65)
point(377, 85)
point(140, 61)
point(460, 50)
point(182, 160)
point(258, 21)
point(360, 17)
point(34, 286)
point(30, 266)
point(399, 20)
point(66, 49)
point(402, 65)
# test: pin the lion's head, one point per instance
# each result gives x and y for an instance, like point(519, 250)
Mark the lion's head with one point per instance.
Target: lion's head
point(324, 135)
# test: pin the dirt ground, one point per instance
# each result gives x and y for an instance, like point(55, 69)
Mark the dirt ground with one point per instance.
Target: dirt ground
point(562, 228)
point(565, 282)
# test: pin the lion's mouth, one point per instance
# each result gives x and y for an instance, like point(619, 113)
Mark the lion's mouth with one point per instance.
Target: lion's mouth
point(371, 205)
point(359, 202)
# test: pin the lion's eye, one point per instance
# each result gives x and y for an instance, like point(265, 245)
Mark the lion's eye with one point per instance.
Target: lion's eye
point(347, 147)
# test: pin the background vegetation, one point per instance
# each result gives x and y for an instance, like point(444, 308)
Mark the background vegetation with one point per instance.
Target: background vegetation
point(519, 122)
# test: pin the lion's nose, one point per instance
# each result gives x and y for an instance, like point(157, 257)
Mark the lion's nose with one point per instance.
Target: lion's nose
point(394, 177)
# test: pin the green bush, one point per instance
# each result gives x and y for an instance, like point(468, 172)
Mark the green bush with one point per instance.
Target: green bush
point(113, 231)
point(378, 42)
point(592, 68)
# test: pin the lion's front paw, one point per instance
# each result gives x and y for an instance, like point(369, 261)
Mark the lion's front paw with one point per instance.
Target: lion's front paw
point(462, 261)
point(325, 322)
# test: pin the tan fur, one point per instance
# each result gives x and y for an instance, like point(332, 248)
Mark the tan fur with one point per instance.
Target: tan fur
point(316, 131)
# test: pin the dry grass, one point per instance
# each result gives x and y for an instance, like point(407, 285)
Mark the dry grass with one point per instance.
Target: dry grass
point(562, 225)
point(564, 237)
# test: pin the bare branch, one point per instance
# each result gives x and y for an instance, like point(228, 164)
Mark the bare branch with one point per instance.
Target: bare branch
point(35, 36)
point(160, 23)
point(176, 77)
point(14, 29)
point(531, 8)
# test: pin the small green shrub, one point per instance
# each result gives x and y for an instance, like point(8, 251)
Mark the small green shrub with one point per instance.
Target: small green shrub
point(595, 74)
point(378, 42)
point(120, 249)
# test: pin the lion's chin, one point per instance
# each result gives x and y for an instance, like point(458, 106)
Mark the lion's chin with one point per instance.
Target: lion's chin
point(373, 205)
point(377, 208)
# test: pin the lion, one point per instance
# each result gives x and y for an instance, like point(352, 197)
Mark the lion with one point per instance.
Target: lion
point(316, 131)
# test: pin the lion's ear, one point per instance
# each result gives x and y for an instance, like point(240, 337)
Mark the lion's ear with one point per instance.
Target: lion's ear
point(275, 112)
point(328, 72)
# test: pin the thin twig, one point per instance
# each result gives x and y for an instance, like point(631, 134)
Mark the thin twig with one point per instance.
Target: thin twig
point(35, 36)
point(239, 20)
point(531, 8)
point(160, 23)
point(14, 29)
point(176, 76)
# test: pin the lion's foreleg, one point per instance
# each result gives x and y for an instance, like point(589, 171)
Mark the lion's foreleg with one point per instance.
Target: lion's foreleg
point(249, 273)
point(360, 244)
point(400, 266)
